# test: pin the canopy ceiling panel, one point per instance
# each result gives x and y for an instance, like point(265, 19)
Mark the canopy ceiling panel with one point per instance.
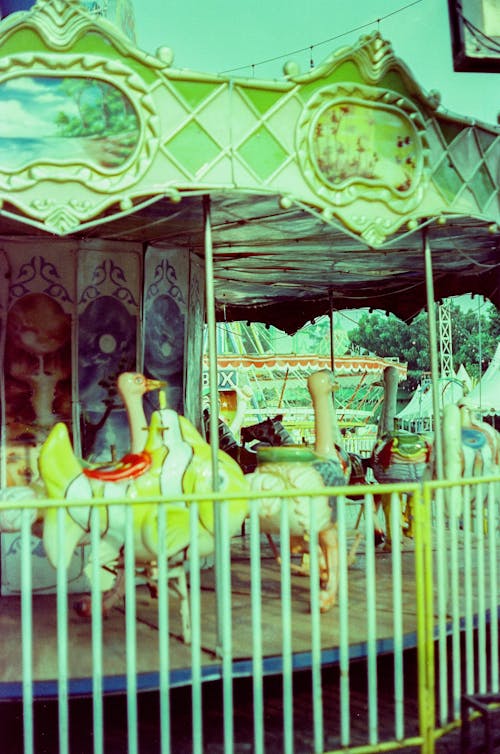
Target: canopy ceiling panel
point(321, 185)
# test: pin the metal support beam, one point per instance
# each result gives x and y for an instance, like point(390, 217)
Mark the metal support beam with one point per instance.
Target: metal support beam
point(213, 395)
point(445, 339)
point(211, 340)
point(332, 332)
point(433, 351)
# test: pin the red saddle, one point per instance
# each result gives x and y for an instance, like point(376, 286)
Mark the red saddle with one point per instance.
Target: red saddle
point(130, 466)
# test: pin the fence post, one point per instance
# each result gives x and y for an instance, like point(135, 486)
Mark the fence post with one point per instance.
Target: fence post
point(425, 617)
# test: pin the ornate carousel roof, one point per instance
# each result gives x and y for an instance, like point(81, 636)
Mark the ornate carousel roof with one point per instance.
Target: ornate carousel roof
point(322, 186)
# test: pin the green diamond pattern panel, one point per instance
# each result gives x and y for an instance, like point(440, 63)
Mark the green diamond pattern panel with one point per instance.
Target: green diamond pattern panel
point(261, 99)
point(193, 92)
point(485, 139)
point(193, 148)
point(482, 186)
point(470, 156)
point(447, 180)
point(262, 153)
point(465, 154)
point(451, 130)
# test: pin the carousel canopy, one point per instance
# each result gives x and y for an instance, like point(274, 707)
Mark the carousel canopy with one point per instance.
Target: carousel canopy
point(321, 188)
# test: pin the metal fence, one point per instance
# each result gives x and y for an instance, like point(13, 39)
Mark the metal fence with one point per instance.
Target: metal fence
point(250, 615)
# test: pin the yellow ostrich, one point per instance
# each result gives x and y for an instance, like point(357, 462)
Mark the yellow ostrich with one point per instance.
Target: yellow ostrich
point(168, 458)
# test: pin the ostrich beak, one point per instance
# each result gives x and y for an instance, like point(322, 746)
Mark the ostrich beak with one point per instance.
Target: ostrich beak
point(154, 384)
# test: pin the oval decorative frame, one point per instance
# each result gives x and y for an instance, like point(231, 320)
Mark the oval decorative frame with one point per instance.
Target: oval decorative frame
point(360, 142)
point(105, 179)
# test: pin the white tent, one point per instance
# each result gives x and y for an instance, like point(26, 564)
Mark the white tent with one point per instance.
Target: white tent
point(464, 378)
point(485, 396)
point(417, 414)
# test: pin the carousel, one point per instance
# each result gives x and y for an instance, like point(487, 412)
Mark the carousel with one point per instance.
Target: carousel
point(140, 206)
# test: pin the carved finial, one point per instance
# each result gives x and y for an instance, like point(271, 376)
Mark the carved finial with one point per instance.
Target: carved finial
point(165, 55)
point(291, 68)
point(434, 98)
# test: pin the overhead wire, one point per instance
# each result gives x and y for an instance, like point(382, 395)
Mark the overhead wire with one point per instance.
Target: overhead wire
point(310, 48)
point(480, 37)
point(489, 43)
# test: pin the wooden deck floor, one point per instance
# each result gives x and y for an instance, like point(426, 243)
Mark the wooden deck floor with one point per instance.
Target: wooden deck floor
point(114, 644)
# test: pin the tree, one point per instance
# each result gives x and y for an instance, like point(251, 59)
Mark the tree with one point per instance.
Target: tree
point(102, 109)
point(474, 340)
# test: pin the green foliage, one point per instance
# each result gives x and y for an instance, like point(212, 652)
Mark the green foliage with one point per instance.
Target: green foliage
point(101, 109)
point(475, 338)
point(313, 338)
point(475, 335)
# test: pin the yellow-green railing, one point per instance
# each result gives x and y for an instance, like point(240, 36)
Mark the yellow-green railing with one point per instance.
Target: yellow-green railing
point(455, 564)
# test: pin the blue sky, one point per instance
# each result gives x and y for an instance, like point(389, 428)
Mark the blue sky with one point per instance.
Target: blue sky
point(216, 35)
point(28, 107)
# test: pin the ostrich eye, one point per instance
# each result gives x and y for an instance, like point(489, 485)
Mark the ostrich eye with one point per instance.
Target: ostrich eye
point(138, 380)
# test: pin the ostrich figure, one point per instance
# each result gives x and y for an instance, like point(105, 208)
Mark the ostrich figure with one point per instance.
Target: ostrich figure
point(132, 386)
point(471, 448)
point(397, 456)
point(168, 458)
point(326, 466)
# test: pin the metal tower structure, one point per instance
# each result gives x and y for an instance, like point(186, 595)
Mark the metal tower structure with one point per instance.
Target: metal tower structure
point(445, 339)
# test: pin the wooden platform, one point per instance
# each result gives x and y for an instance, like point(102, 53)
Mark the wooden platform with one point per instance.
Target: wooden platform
point(114, 644)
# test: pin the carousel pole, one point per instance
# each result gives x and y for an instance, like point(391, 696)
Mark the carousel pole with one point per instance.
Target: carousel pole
point(338, 434)
point(4, 295)
point(332, 332)
point(211, 341)
point(213, 389)
point(428, 687)
point(222, 566)
point(433, 349)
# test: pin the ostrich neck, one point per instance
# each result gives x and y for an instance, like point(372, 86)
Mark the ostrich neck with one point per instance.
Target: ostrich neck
point(388, 415)
point(137, 424)
point(327, 432)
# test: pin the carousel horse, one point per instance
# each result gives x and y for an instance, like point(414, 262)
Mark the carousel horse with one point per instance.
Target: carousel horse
point(244, 457)
point(270, 431)
point(175, 460)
